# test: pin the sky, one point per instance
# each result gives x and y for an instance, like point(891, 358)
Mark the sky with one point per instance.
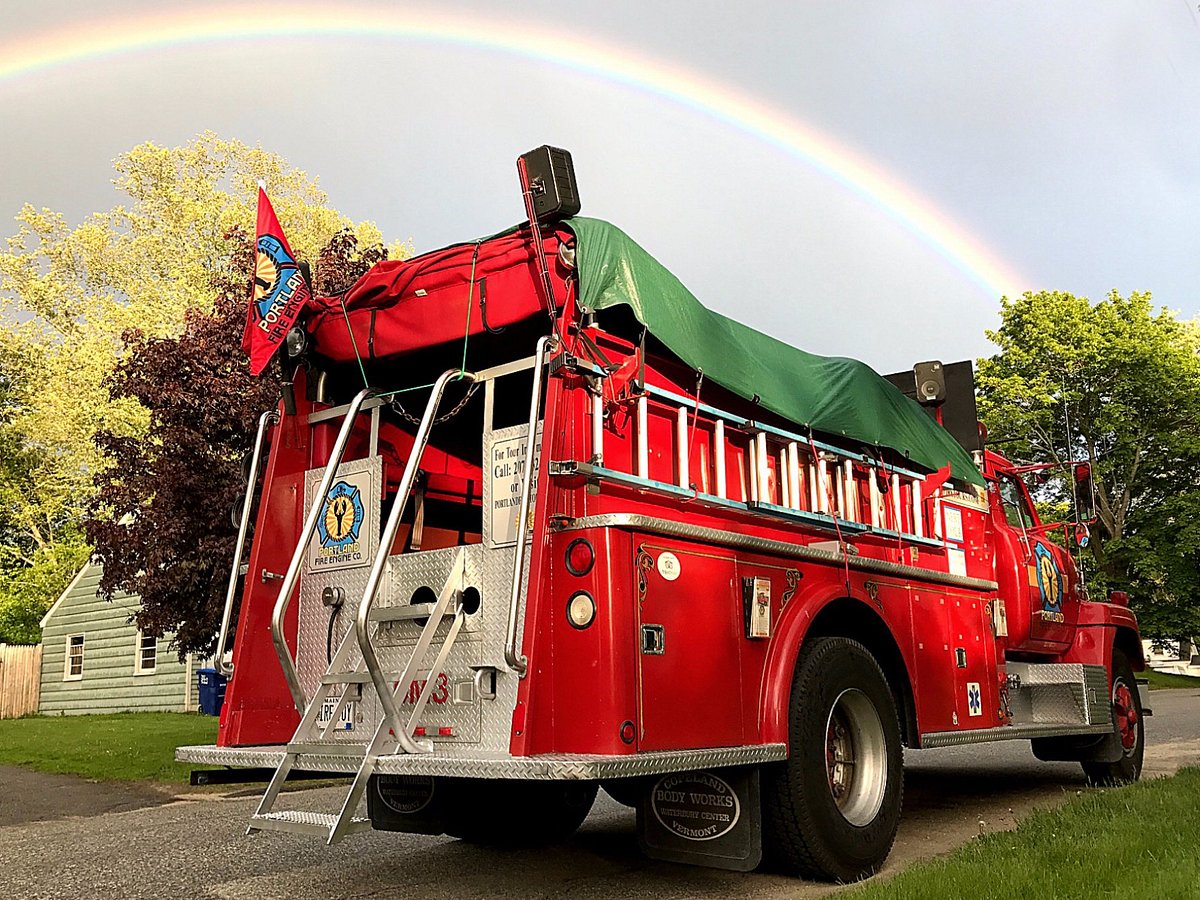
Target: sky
point(858, 179)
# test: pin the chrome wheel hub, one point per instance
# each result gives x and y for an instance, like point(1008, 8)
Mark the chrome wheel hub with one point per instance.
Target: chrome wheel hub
point(855, 757)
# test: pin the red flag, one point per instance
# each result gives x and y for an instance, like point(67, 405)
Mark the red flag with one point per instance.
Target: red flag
point(279, 294)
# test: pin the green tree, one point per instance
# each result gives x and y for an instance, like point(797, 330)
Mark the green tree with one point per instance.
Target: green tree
point(69, 295)
point(1115, 384)
point(160, 522)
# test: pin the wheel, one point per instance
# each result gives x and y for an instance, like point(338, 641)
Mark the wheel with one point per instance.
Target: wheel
point(831, 810)
point(626, 791)
point(1130, 728)
point(518, 813)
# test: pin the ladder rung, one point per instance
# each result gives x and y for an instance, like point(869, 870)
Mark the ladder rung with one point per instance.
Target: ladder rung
point(409, 611)
point(303, 822)
point(359, 677)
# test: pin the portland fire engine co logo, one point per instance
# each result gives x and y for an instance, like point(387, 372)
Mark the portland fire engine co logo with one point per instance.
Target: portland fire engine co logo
point(277, 280)
point(1050, 583)
point(697, 806)
point(339, 526)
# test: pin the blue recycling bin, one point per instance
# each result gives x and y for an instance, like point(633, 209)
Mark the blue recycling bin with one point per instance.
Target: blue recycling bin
point(212, 691)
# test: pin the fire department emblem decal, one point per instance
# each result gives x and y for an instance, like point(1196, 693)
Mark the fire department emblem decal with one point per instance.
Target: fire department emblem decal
point(1049, 579)
point(277, 278)
point(339, 525)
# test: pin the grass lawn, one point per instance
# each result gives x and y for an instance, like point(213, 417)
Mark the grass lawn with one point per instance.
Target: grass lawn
point(1135, 841)
point(116, 747)
point(1159, 680)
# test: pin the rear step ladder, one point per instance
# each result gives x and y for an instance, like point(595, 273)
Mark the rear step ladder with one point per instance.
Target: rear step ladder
point(311, 741)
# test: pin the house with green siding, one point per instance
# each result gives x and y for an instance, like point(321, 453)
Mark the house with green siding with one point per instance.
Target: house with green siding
point(94, 659)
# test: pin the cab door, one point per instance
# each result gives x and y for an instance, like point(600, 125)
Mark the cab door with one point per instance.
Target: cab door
point(1048, 586)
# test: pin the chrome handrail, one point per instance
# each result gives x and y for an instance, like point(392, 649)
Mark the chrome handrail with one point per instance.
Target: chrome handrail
point(310, 524)
point(382, 689)
point(270, 417)
point(513, 656)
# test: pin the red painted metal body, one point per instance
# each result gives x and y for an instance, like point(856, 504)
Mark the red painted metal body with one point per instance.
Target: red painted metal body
point(931, 614)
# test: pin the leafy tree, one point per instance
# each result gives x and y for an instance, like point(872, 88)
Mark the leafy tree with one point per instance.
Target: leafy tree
point(68, 295)
point(1115, 384)
point(71, 293)
point(32, 572)
point(160, 521)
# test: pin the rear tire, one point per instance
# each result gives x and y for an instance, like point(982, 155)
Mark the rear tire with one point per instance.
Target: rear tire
point(518, 813)
point(1130, 728)
point(832, 809)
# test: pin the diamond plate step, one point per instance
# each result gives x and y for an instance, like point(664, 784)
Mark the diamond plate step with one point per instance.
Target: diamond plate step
point(296, 821)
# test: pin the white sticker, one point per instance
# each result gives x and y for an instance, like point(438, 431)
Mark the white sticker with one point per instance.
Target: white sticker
point(668, 565)
point(954, 528)
point(958, 561)
point(974, 699)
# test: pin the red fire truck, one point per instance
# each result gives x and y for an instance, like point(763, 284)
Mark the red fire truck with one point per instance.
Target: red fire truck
point(531, 522)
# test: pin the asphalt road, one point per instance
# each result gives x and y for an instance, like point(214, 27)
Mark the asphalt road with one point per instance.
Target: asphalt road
point(195, 846)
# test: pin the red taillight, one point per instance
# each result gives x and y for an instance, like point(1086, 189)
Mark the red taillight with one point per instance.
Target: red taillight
point(1121, 598)
point(627, 732)
point(580, 556)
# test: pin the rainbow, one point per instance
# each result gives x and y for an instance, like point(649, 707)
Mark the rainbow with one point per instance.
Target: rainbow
point(89, 41)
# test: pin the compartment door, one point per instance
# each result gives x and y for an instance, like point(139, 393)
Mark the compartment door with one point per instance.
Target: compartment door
point(689, 634)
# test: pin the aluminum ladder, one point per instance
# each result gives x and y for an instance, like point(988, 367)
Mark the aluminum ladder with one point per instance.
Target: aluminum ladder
point(311, 740)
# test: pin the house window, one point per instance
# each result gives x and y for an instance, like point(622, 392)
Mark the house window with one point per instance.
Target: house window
point(147, 654)
point(74, 667)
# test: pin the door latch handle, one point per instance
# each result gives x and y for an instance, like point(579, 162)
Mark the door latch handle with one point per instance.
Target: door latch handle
point(653, 641)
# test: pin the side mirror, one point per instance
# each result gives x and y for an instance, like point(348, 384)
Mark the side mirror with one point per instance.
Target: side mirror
point(1083, 492)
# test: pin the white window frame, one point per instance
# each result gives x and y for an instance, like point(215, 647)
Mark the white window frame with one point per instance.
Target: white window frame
point(67, 676)
point(138, 668)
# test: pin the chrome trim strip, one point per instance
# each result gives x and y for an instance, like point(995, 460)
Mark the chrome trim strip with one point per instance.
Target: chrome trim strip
point(547, 767)
point(1008, 733)
point(767, 545)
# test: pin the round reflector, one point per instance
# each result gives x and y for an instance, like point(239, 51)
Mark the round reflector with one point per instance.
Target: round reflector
point(581, 610)
point(580, 557)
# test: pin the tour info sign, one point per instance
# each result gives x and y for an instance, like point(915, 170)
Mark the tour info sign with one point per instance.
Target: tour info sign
point(506, 456)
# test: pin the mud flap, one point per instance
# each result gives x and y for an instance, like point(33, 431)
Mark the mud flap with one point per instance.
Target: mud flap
point(411, 803)
point(705, 818)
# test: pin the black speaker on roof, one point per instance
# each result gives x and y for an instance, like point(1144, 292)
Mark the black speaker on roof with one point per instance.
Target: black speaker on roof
point(950, 388)
point(549, 175)
point(931, 383)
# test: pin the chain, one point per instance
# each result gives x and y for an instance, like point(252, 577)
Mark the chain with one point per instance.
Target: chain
point(413, 420)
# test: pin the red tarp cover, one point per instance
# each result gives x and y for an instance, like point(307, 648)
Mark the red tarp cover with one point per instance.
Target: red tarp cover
point(389, 315)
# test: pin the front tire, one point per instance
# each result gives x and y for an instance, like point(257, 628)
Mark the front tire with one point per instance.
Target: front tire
point(1129, 725)
point(832, 809)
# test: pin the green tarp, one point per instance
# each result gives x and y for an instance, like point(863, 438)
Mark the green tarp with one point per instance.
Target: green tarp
point(830, 394)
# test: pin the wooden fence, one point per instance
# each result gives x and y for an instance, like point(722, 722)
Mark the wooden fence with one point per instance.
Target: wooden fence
point(20, 679)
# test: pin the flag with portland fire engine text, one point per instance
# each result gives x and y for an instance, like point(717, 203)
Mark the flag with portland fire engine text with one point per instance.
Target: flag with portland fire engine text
point(279, 294)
